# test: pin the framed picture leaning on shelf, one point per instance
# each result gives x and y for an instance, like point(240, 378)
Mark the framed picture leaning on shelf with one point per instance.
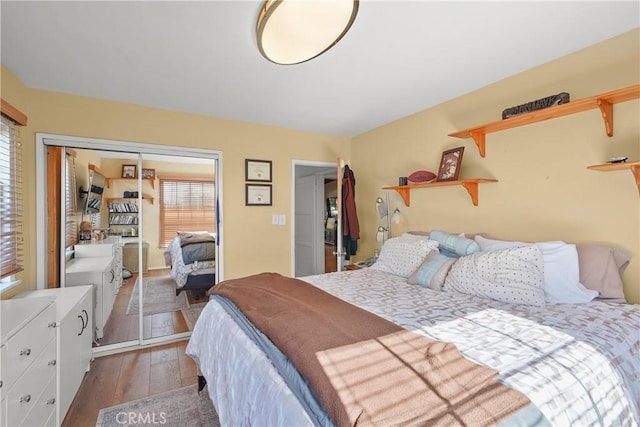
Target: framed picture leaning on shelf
point(148, 173)
point(129, 171)
point(450, 164)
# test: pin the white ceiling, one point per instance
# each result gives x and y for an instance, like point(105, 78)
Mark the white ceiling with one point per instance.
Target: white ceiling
point(201, 57)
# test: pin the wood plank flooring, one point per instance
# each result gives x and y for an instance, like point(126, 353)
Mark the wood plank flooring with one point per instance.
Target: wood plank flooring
point(124, 377)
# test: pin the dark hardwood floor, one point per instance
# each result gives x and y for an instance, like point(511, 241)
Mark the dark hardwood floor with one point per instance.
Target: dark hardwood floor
point(124, 377)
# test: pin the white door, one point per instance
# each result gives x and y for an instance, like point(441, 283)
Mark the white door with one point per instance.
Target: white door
point(309, 260)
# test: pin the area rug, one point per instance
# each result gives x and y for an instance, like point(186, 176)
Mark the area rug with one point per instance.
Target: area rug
point(159, 296)
point(183, 407)
point(191, 314)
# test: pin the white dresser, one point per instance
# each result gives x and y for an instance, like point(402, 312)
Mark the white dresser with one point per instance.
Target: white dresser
point(111, 247)
point(99, 263)
point(28, 362)
point(74, 315)
point(100, 272)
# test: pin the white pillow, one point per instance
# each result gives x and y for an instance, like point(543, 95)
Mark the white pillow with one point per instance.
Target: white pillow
point(402, 256)
point(512, 275)
point(561, 269)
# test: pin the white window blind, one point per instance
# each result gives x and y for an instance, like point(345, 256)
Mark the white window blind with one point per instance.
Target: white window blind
point(186, 204)
point(11, 238)
point(71, 206)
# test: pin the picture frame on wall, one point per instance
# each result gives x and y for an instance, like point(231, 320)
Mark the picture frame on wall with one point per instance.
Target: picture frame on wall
point(129, 171)
point(258, 194)
point(257, 170)
point(450, 164)
point(148, 173)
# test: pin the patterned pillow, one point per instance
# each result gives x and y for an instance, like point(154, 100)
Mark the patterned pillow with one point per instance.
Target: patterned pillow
point(402, 256)
point(512, 275)
point(453, 244)
point(432, 271)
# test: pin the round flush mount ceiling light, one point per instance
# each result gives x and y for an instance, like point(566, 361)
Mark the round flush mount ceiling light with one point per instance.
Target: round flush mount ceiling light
point(295, 31)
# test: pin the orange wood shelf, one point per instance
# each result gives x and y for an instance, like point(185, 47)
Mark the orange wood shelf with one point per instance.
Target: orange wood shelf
point(151, 180)
point(603, 101)
point(607, 167)
point(134, 199)
point(471, 185)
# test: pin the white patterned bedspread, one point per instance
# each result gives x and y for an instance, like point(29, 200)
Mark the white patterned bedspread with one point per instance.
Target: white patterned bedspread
point(577, 362)
point(180, 270)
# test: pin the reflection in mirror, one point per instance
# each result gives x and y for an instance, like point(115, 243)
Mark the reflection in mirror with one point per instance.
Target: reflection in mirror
point(97, 183)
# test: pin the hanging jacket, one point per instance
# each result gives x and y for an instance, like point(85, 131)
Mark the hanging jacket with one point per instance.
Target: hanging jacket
point(350, 227)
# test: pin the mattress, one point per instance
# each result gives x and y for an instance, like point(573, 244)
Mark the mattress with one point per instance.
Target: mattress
point(576, 362)
point(179, 270)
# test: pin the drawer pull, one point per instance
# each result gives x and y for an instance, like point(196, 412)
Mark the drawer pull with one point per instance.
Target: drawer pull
point(25, 352)
point(25, 399)
point(52, 325)
point(51, 401)
point(1, 382)
point(52, 362)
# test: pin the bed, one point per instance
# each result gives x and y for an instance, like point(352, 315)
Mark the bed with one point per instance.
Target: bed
point(577, 363)
point(191, 256)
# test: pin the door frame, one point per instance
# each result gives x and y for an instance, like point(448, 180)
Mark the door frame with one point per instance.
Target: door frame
point(294, 164)
point(46, 139)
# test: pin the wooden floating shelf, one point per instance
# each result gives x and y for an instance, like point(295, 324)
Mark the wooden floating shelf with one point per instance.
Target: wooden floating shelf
point(603, 101)
point(149, 198)
point(471, 185)
point(151, 180)
point(633, 166)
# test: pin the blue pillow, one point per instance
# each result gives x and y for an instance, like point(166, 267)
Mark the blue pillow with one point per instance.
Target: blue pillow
point(454, 245)
point(432, 272)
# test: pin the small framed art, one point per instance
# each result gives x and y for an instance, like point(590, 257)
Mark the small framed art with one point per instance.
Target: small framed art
point(148, 173)
point(450, 164)
point(129, 171)
point(258, 194)
point(257, 170)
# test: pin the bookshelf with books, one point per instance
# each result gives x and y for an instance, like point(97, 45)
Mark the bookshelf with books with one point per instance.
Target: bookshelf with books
point(123, 216)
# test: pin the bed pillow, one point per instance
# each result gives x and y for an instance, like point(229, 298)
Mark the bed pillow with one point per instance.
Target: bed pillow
point(401, 256)
point(514, 275)
point(432, 272)
point(561, 269)
point(601, 268)
point(454, 245)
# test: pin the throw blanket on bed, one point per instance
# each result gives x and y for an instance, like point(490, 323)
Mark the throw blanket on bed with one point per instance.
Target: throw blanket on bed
point(197, 247)
point(380, 374)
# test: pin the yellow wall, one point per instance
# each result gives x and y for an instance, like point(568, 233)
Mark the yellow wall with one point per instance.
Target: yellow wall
point(544, 191)
point(252, 244)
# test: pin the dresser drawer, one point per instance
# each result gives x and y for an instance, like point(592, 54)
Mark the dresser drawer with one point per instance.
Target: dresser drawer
point(43, 407)
point(25, 346)
point(33, 389)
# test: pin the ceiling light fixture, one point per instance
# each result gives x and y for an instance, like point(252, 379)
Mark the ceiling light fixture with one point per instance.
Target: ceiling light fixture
point(295, 31)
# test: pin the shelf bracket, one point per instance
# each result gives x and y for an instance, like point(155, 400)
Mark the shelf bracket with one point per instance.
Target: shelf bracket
point(606, 108)
point(479, 138)
point(472, 189)
point(405, 193)
point(635, 170)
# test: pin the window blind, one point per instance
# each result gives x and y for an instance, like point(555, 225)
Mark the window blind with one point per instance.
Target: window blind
point(71, 206)
point(186, 204)
point(11, 220)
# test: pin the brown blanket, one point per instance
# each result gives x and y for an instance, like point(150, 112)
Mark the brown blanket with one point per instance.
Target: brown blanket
point(364, 369)
point(191, 238)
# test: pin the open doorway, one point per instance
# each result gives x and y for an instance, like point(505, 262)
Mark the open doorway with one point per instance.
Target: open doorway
point(314, 231)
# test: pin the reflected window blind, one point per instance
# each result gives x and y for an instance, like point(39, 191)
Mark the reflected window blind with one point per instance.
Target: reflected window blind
point(186, 204)
point(11, 238)
point(71, 207)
